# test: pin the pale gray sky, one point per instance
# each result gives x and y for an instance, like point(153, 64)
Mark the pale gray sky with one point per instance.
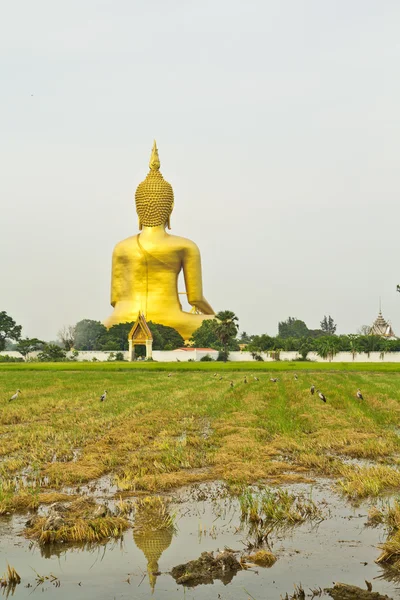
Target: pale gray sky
point(277, 123)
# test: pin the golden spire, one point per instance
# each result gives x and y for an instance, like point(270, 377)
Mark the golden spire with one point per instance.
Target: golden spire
point(154, 163)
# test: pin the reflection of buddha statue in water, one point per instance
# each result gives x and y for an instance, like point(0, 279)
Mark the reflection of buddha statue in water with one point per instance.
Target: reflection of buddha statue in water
point(153, 530)
point(146, 266)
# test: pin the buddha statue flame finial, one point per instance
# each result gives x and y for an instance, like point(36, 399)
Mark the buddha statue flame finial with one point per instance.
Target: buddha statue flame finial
point(154, 196)
point(154, 163)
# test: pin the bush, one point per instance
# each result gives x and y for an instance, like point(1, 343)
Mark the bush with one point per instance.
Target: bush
point(7, 358)
point(223, 356)
point(74, 355)
point(206, 358)
point(119, 356)
point(52, 353)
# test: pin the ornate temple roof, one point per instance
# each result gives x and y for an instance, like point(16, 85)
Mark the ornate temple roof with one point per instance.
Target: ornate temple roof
point(140, 332)
point(382, 327)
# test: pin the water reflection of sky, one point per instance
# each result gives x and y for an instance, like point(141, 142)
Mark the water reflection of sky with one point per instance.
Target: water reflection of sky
point(335, 550)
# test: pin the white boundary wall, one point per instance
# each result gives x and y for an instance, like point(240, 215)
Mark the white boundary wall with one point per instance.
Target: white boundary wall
point(196, 355)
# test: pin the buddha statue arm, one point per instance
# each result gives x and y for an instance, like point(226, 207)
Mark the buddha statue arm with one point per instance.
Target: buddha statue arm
point(118, 277)
point(193, 279)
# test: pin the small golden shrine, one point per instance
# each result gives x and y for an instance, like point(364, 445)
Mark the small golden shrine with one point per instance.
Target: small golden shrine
point(140, 335)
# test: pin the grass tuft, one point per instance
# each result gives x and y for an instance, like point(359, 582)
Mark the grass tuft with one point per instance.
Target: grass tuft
point(79, 522)
point(277, 507)
point(263, 558)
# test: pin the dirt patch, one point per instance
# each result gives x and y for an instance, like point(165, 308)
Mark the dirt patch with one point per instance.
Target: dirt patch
point(342, 591)
point(205, 569)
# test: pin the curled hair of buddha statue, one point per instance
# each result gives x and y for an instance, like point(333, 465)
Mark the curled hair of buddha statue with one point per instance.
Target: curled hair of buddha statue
point(154, 196)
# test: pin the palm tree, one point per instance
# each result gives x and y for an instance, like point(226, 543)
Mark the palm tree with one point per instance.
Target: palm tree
point(354, 343)
point(371, 343)
point(385, 347)
point(328, 346)
point(226, 329)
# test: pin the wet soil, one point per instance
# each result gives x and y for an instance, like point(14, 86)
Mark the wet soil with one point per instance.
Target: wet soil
point(207, 568)
point(342, 591)
point(339, 548)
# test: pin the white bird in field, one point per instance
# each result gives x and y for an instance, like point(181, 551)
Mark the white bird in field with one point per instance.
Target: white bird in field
point(169, 374)
point(312, 389)
point(359, 395)
point(215, 374)
point(295, 376)
point(15, 396)
point(256, 378)
point(274, 379)
point(103, 396)
point(321, 396)
point(221, 378)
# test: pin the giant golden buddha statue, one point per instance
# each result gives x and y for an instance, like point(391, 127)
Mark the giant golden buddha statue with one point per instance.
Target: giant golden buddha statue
point(145, 267)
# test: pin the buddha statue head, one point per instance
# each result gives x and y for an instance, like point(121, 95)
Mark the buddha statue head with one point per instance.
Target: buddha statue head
point(154, 196)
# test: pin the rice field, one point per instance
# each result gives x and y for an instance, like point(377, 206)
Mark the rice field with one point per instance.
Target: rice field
point(224, 435)
point(164, 426)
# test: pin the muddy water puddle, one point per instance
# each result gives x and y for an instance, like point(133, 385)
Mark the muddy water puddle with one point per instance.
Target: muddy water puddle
point(317, 553)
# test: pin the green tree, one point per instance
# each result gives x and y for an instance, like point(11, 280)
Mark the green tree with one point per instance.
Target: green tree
point(9, 330)
point(164, 337)
point(261, 343)
point(291, 343)
point(226, 329)
point(245, 338)
point(385, 347)
point(370, 343)
point(205, 336)
point(328, 325)
point(116, 338)
point(306, 345)
point(52, 353)
point(292, 327)
point(354, 344)
point(88, 334)
point(327, 346)
point(315, 333)
point(28, 345)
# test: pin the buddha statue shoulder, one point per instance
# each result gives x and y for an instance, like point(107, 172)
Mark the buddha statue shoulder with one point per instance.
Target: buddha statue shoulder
point(146, 266)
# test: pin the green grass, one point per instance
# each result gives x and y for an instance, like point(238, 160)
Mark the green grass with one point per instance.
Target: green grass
point(277, 507)
point(204, 366)
point(155, 432)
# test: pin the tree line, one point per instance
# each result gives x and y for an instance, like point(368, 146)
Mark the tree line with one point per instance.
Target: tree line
point(91, 335)
point(220, 333)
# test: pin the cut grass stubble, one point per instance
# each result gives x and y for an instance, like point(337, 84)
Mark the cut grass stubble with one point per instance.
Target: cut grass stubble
point(155, 433)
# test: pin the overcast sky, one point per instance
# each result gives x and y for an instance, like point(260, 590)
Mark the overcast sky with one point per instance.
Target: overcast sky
point(277, 123)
